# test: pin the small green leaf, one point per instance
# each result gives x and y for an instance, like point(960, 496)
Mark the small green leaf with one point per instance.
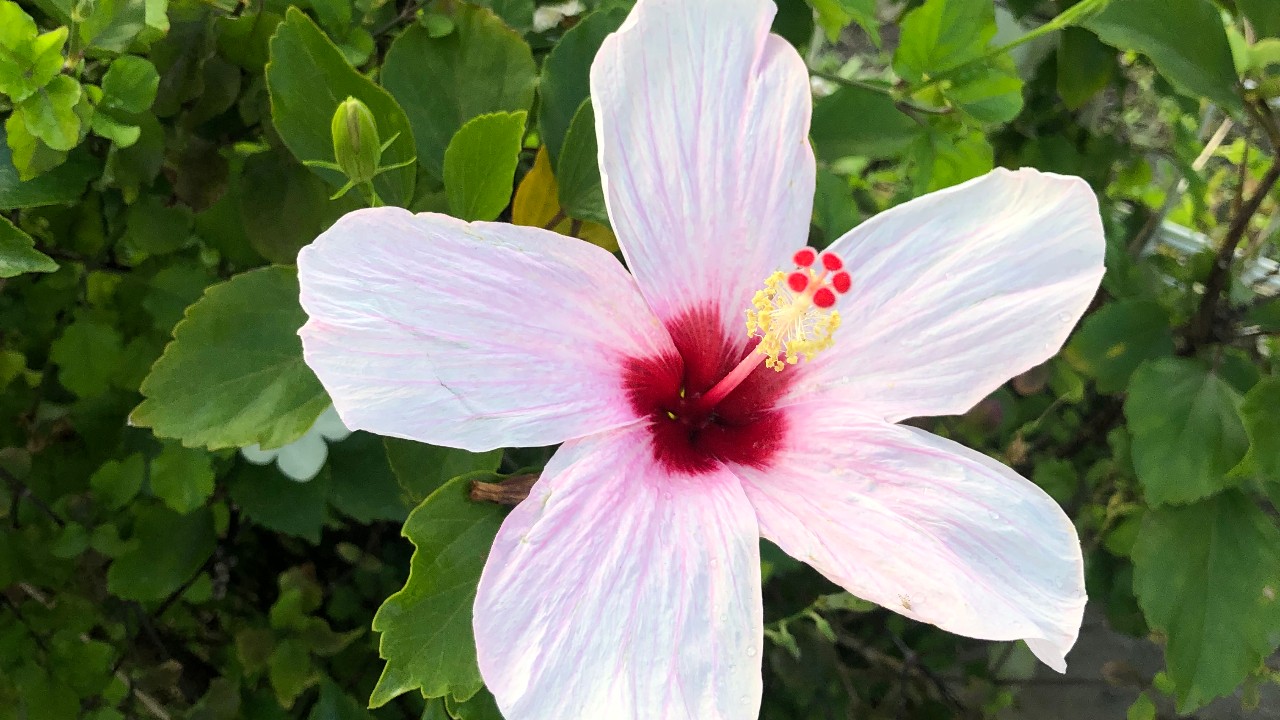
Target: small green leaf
point(1260, 411)
point(88, 355)
point(18, 253)
point(49, 113)
point(129, 84)
point(291, 671)
point(63, 184)
point(1085, 66)
point(30, 156)
point(426, 627)
point(364, 487)
point(942, 34)
point(480, 165)
point(581, 194)
point(944, 159)
point(481, 67)
point(334, 704)
point(307, 78)
point(234, 375)
point(1187, 435)
point(990, 94)
point(421, 468)
point(182, 477)
point(1208, 575)
point(833, 208)
point(171, 548)
point(277, 503)
point(861, 122)
point(565, 76)
point(835, 15)
point(1113, 341)
point(118, 481)
point(1203, 68)
point(481, 706)
point(28, 61)
point(283, 206)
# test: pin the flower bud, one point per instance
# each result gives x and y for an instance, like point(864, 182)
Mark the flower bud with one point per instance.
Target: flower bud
point(355, 141)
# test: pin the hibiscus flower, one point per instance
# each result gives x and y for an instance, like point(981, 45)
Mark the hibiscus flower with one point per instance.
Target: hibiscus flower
point(732, 385)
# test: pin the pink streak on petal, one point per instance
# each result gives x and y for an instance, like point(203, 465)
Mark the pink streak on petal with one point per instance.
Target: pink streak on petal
point(702, 118)
point(957, 291)
point(924, 527)
point(615, 591)
point(474, 336)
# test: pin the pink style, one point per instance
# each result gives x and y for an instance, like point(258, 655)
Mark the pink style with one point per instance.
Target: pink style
point(732, 385)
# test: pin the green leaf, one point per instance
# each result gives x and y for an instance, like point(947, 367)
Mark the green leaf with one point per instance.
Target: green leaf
point(421, 468)
point(1112, 342)
point(307, 78)
point(334, 704)
point(1208, 575)
point(155, 228)
point(991, 94)
point(480, 165)
point(1260, 411)
point(481, 67)
point(1203, 68)
point(129, 84)
point(88, 355)
point(172, 290)
point(1187, 435)
point(49, 113)
point(182, 477)
point(1264, 15)
point(426, 626)
point(518, 14)
point(28, 61)
point(18, 253)
point(63, 184)
point(833, 208)
point(580, 192)
point(861, 122)
point(283, 206)
point(1085, 66)
point(942, 34)
point(118, 481)
point(364, 487)
point(30, 155)
point(835, 15)
point(481, 706)
point(279, 504)
point(944, 159)
point(565, 76)
point(171, 548)
point(291, 671)
point(234, 375)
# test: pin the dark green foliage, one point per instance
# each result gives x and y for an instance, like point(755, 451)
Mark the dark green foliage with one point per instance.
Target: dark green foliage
point(162, 162)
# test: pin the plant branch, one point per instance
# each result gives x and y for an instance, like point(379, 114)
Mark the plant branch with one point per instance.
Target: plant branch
point(1200, 330)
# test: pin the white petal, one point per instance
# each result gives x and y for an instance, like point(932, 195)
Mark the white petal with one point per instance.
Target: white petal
point(476, 335)
point(958, 291)
point(615, 591)
point(925, 527)
point(702, 118)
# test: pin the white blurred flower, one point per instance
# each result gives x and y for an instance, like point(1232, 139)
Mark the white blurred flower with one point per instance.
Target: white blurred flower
point(302, 459)
point(548, 16)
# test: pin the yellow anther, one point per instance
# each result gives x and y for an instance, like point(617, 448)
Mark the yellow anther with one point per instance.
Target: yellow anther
point(790, 326)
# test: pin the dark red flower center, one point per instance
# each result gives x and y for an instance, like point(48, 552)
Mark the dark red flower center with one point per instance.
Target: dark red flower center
point(687, 437)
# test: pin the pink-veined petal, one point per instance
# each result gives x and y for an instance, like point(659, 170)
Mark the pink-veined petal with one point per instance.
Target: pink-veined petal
point(958, 291)
point(925, 527)
point(476, 335)
point(702, 118)
point(617, 591)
